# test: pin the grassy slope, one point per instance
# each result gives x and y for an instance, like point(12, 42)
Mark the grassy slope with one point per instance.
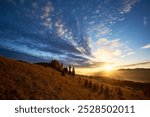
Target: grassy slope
point(20, 80)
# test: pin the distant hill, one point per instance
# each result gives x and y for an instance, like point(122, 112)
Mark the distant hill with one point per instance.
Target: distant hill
point(135, 69)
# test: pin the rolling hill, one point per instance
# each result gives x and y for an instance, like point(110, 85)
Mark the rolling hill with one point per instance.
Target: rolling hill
point(23, 80)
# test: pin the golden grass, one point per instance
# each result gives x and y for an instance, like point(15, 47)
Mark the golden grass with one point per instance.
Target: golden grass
point(20, 80)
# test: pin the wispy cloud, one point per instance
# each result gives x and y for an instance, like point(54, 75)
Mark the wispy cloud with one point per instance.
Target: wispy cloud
point(35, 5)
point(66, 35)
point(96, 29)
point(46, 16)
point(146, 64)
point(146, 46)
point(130, 53)
point(128, 5)
point(145, 21)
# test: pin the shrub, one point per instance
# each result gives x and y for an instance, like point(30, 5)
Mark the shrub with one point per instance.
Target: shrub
point(65, 69)
point(86, 83)
point(79, 80)
point(90, 84)
point(95, 86)
point(56, 65)
point(119, 92)
point(106, 92)
point(63, 73)
point(101, 89)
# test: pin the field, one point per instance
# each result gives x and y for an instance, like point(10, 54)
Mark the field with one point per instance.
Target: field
point(22, 80)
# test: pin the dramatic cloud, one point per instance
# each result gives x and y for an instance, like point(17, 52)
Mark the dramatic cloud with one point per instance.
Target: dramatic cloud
point(71, 31)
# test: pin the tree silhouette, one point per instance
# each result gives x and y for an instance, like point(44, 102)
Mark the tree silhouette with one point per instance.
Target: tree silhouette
point(69, 69)
point(73, 71)
point(65, 70)
point(56, 65)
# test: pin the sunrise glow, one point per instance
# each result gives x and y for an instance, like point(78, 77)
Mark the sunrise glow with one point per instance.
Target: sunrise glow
point(108, 68)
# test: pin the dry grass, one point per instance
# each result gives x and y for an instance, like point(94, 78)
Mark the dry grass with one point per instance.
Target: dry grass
point(20, 80)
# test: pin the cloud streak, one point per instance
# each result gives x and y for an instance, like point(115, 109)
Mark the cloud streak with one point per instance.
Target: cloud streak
point(136, 64)
point(128, 5)
point(146, 46)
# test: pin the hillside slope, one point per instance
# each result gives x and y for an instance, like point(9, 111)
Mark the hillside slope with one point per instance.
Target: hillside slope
point(21, 80)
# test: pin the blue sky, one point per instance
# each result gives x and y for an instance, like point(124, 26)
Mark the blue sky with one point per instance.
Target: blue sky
point(85, 33)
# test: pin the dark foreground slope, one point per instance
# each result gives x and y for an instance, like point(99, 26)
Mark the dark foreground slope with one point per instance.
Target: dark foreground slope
point(22, 80)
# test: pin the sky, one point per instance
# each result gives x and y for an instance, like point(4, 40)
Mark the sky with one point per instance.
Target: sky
point(88, 34)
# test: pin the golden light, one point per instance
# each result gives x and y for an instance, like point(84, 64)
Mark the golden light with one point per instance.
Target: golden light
point(108, 68)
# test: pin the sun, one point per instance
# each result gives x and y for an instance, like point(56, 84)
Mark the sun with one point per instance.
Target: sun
point(108, 67)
